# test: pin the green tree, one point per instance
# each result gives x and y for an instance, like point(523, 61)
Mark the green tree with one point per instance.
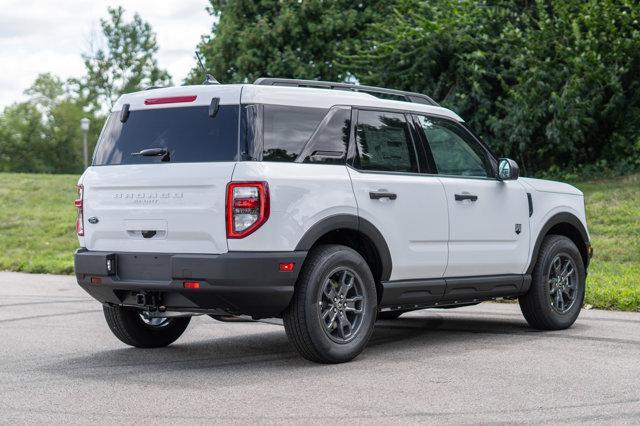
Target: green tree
point(61, 111)
point(126, 63)
point(66, 137)
point(46, 90)
point(43, 134)
point(575, 95)
point(271, 38)
point(23, 139)
point(553, 84)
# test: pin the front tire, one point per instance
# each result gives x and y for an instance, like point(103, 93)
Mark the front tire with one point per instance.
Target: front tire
point(131, 328)
point(330, 318)
point(555, 297)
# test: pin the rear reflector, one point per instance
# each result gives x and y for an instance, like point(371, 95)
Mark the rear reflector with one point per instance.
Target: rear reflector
point(193, 285)
point(286, 267)
point(170, 100)
point(96, 280)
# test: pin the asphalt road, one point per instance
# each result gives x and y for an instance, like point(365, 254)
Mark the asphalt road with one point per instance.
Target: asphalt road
point(59, 363)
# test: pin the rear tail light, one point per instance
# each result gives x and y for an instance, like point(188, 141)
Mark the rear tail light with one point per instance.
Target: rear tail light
point(247, 207)
point(79, 203)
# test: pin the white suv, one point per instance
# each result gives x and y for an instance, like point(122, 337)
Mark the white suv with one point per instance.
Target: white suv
point(328, 205)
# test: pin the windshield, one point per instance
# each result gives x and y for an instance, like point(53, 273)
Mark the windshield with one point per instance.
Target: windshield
point(187, 134)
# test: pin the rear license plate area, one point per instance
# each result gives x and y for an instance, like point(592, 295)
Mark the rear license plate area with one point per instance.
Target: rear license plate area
point(144, 267)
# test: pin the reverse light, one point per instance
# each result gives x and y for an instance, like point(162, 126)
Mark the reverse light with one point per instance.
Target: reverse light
point(79, 203)
point(247, 207)
point(170, 100)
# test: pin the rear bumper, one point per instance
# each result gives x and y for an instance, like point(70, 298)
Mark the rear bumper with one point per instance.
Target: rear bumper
point(248, 283)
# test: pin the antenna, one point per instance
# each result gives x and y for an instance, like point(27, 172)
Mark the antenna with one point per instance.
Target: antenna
point(208, 78)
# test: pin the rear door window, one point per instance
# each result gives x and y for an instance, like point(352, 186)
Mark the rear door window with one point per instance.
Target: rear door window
point(189, 135)
point(384, 142)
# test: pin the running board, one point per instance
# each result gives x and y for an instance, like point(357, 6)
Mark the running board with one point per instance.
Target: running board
point(451, 291)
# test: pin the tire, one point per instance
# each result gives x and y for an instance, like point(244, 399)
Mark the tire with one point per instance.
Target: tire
point(313, 319)
point(540, 304)
point(128, 326)
point(389, 315)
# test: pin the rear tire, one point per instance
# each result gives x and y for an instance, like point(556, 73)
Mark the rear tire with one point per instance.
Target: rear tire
point(128, 326)
point(555, 297)
point(329, 321)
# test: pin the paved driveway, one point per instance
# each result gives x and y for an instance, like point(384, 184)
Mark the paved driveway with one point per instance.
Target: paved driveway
point(59, 363)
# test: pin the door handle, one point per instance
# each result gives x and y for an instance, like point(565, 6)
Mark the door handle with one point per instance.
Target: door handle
point(376, 195)
point(463, 196)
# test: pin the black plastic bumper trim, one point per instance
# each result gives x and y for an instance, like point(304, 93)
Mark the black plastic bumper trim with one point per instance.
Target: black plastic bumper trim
point(453, 290)
point(248, 283)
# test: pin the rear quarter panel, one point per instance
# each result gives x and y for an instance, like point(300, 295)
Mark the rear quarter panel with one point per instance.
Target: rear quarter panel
point(300, 196)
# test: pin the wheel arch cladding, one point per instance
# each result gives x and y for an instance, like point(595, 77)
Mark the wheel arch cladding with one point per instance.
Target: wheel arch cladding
point(565, 224)
point(354, 232)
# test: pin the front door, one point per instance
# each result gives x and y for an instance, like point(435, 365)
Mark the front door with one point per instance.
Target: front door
point(409, 209)
point(488, 218)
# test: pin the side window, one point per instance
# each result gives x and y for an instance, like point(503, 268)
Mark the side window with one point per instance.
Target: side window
point(384, 142)
point(286, 129)
point(454, 152)
point(328, 145)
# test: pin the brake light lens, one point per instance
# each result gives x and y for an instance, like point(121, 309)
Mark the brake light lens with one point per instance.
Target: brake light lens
point(247, 207)
point(79, 203)
point(170, 100)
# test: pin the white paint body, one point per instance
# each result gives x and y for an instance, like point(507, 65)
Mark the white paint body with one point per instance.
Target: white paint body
point(482, 234)
point(415, 225)
point(428, 232)
point(184, 200)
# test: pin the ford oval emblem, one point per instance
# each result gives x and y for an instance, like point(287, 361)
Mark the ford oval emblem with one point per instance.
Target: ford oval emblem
point(93, 220)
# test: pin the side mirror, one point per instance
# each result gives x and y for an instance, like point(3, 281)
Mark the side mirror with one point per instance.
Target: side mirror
point(508, 169)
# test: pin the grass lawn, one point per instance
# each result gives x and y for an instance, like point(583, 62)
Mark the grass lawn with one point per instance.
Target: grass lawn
point(37, 232)
point(613, 216)
point(37, 222)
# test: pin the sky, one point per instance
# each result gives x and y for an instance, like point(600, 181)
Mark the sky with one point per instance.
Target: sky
point(49, 36)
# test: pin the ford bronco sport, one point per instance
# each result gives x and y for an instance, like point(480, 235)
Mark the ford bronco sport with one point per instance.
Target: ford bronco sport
point(325, 204)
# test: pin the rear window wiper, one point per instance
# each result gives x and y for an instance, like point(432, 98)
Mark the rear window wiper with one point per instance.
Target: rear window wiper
point(154, 152)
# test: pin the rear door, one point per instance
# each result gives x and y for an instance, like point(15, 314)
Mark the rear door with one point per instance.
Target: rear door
point(409, 209)
point(170, 203)
point(488, 219)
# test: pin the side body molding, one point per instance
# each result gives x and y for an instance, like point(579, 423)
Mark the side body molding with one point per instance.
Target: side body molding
point(355, 223)
point(556, 220)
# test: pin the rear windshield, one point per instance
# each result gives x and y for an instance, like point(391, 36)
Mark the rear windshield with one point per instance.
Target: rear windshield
point(187, 134)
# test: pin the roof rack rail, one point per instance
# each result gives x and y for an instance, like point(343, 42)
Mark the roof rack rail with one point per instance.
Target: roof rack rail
point(380, 92)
